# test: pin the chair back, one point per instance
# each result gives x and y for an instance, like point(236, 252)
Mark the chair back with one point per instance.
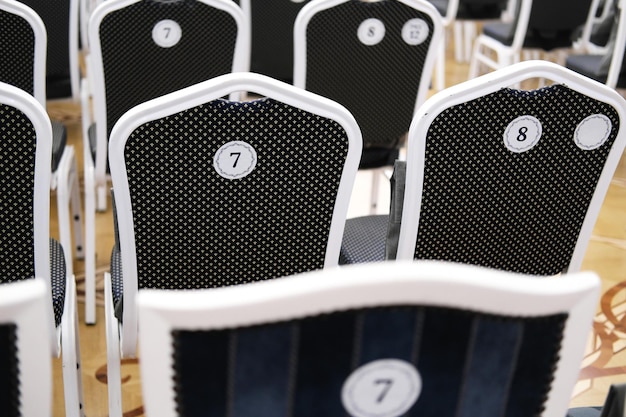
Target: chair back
point(507, 178)
point(62, 64)
point(481, 9)
point(26, 151)
point(389, 339)
point(23, 49)
point(272, 22)
point(143, 49)
point(551, 33)
point(25, 361)
point(375, 58)
point(211, 192)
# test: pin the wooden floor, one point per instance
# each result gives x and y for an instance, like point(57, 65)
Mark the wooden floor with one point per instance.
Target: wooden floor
point(605, 361)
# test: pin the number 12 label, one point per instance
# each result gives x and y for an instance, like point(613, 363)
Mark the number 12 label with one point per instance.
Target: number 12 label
point(382, 388)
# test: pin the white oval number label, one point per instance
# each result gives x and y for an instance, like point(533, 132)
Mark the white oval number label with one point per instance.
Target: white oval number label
point(522, 134)
point(371, 31)
point(166, 33)
point(593, 131)
point(382, 388)
point(415, 31)
point(235, 160)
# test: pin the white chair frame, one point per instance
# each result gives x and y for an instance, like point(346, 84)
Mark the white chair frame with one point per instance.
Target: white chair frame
point(96, 178)
point(122, 339)
point(65, 337)
point(300, 54)
point(361, 286)
point(489, 83)
point(65, 179)
point(24, 303)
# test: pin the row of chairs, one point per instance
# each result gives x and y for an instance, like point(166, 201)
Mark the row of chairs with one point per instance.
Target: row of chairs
point(178, 156)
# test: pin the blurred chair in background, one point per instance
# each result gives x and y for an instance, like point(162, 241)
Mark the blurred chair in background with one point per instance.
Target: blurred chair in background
point(389, 339)
point(534, 29)
point(608, 67)
point(375, 58)
point(140, 50)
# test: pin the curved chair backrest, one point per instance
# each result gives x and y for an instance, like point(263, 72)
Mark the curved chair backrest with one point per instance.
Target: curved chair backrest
point(25, 361)
point(62, 63)
point(25, 180)
point(511, 179)
point(387, 339)
point(23, 44)
point(550, 32)
point(375, 58)
point(228, 192)
point(142, 49)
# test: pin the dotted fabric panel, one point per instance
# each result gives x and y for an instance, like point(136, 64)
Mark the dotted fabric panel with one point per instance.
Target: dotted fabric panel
point(17, 46)
point(17, 168)
point(483, 204)
point(57, 277)
point(136, 69)
point(194, 228)
point(378, 83)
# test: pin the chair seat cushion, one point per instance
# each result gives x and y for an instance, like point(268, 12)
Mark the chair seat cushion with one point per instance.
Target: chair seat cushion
point(57, 278)
point(584, 412)
point(59, 140)
point(117, 284)
point(364, 240)
point(547, 41)
point(594, 67)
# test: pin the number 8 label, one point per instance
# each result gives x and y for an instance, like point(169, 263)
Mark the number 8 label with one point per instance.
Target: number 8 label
point(522, 134)
point(382, 388)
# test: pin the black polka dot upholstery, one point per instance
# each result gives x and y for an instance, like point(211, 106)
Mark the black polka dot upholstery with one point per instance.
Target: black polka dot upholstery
point(485, 205)
point(364, 240)
point(136, 69)
point(17, 46)
point(196, 229)
point(377, 83)
point(17, 167)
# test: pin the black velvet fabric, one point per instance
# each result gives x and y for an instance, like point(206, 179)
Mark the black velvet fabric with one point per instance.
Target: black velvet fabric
point(9, 371)
point(471, 364)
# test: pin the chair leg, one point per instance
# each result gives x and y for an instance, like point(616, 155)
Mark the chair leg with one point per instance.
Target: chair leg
point(77, 215)
point(374, 192)
point(70, 352)
point(102, 197)
point(458, 41)
point(90, 247)
point(440, 66)
point(114, 375)
point(469, 29)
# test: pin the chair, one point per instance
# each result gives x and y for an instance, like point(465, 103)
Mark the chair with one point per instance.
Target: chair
point(504, 178)
point(461, 15)
point(534, 28)
point(271, 49)
point(608, 68)
point(428, 339)
point(215, 41)
point(375, 58)
point(252, 190)
point(23, 65)
point(62, 63)
point(26, 366)
point(26, 250)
